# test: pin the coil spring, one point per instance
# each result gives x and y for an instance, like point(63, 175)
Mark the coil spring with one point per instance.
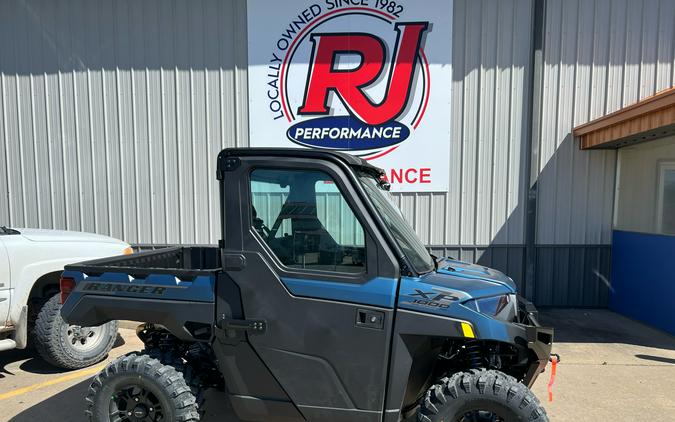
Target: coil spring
point(474, 354)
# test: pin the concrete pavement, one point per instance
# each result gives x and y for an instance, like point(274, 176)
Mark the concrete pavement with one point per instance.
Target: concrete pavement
point(31, 390)
point(612, 369)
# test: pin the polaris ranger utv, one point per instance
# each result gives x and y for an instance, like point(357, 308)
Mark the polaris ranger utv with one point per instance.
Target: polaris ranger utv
point(319, 304)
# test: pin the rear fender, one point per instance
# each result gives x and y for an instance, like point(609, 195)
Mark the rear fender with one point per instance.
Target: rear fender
point(185, 308)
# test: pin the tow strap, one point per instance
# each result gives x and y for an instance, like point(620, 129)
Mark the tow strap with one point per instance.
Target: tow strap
point(554, 359)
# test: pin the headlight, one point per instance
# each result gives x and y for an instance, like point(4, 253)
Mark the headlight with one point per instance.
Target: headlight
point(503, 308)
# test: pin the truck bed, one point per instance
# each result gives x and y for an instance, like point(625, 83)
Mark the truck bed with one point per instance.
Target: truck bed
point(184, 262)
point(172, 286)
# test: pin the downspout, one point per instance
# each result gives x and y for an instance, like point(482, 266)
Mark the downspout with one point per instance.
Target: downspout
point(531, 170)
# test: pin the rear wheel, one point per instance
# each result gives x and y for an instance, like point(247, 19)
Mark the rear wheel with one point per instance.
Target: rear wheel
point(480, 396)
point(71, 346)
point(139, 388)
point(192, 379)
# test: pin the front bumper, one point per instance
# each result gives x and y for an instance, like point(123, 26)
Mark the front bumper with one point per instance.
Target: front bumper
point(539, 340)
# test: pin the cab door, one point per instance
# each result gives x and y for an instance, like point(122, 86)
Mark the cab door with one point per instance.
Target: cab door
point(5, 285)
point(320, 277)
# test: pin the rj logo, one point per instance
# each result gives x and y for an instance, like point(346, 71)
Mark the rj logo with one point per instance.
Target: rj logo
point(348, 85)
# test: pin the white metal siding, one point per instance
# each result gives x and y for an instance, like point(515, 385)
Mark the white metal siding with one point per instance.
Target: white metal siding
point(599, 56)
point(490, 99)
point(112, 115)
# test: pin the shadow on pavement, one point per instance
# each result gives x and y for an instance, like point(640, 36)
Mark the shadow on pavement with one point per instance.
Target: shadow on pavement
point(36, 365)
point(68, 405)
point(656, 359)
point(11, 356)
point(32, 362)
point(602, 326)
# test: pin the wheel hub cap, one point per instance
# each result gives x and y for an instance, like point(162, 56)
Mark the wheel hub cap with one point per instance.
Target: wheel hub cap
point(140, 411)
point(480, 416)
point(84, 339)
point(135, 404)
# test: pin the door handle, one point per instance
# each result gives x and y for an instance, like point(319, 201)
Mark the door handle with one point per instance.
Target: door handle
point(252, 326)
point(369, 319)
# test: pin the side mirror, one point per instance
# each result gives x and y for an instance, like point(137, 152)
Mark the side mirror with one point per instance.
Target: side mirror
point(384, 185)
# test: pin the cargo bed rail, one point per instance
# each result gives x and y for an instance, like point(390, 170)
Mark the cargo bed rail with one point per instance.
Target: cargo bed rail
point(185, 262)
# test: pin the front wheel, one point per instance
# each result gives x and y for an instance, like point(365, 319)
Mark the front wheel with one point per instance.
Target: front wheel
point(140, 388)
point(71, 346)
point(480, 396)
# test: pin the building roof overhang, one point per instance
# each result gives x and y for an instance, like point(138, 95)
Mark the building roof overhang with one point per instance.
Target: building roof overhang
point(651, 118)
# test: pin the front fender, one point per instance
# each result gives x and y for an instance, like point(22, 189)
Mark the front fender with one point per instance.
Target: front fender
point(31, 261)
point(25, 279)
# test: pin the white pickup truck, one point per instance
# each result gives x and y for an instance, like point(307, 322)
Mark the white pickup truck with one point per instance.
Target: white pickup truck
point(31, 262)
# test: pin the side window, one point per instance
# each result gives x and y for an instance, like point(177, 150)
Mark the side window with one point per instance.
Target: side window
point(306, 221)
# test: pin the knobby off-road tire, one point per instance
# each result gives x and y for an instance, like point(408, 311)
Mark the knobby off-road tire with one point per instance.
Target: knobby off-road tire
point(69, 346)
point(191, 377)
point(478, 395)
point(138, 387)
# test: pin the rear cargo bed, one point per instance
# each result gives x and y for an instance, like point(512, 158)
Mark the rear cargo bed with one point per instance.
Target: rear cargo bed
point(184, 262)
point(172, 286)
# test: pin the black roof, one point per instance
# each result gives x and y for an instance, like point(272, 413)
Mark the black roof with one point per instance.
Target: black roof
point(302, 153)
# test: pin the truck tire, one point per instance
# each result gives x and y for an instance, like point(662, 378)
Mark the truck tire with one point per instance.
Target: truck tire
point(138, 387)
point(71, 346)
point(480, 396)
point(34, 307)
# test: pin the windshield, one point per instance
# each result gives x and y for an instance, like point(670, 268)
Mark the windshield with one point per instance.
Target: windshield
point(404, 234)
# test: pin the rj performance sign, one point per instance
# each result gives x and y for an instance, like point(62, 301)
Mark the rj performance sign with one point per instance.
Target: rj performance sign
point(368, 77)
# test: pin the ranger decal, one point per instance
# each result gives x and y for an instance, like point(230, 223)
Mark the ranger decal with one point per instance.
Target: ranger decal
point(124, 287)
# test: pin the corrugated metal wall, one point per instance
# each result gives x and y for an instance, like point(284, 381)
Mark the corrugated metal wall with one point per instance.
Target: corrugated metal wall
point(490, 99)
point(599, 56)
point(112, 114)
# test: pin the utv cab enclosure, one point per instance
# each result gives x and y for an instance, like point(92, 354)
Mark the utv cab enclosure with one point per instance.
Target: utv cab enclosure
point(319, 304)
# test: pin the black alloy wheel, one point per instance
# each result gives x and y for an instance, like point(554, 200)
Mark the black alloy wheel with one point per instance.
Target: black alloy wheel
point(480, 416)
point(137, 388)
point(135, 404)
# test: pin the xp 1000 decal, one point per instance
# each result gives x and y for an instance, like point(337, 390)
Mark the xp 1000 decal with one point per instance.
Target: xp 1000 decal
point(367, 77)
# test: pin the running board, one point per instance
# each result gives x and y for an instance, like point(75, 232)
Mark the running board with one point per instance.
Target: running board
point(7, 344)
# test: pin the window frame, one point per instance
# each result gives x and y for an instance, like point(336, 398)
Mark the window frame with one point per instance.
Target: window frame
point(663, 167)
point(370, 263)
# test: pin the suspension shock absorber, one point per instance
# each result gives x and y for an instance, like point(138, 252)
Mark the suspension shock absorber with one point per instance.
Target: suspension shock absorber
point(474, 354)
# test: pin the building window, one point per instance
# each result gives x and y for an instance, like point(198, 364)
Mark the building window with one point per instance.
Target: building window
point(305, 220)
point(666, 204)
